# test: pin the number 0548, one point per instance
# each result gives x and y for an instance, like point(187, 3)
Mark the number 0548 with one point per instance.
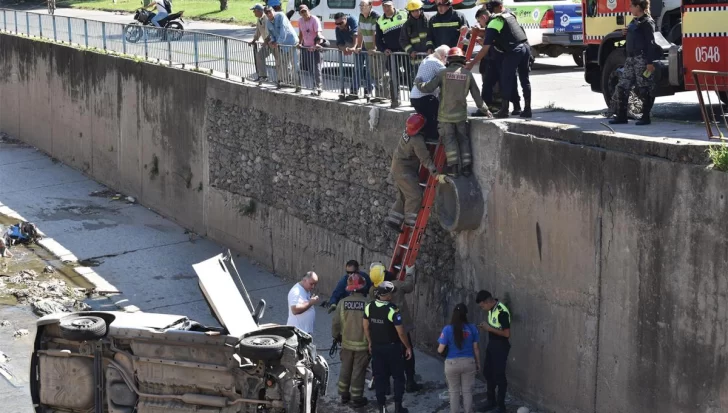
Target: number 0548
point(707, 54)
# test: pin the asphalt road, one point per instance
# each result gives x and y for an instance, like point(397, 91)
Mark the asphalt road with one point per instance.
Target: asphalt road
point(557, 83)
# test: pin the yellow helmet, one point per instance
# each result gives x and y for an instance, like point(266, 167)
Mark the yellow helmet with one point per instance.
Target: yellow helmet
point(376, 273)
point(413, 5)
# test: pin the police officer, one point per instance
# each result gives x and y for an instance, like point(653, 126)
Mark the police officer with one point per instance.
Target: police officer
point(406, 160)
point(386, 336)
point(639, 66)
point(347, 327)
point(389, 29)
point(455, 82)
point(498, 326)
point(504, 31)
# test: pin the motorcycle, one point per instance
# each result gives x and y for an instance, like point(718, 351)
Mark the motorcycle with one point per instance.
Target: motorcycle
point(135, 31)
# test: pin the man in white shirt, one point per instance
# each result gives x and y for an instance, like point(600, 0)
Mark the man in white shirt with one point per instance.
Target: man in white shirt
point(161, 11)
point(301, 304)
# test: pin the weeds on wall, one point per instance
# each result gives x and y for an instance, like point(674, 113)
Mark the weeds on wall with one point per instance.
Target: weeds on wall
point(718, 155)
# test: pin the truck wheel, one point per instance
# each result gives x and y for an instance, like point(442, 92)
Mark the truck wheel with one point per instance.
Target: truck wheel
point(578, 59)
point(263, 347)
point(610, 77)
point(723, 97)
point(82, 328)
point(675, 34)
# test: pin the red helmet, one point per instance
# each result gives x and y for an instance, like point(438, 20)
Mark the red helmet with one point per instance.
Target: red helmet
point(355, 282)
point(415, 123)
point(455, 52)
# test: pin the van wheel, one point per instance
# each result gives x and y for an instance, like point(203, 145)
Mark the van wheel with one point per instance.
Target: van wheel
point(82, 328)
point(578, 59)
point(263, 347)
point(610, 78)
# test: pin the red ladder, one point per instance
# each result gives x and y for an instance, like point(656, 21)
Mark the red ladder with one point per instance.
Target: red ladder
point(410, 239)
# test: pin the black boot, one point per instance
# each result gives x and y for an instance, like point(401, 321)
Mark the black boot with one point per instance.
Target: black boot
point(357, 402)
point(393, 226)
point(453, 170)
point(398, 408)
point(516, 108)
point(646, 109)
point(503, 112)
point(345, 397)
point(467, 170)
point(526, 113)
point(412, 386)
point(621, 109)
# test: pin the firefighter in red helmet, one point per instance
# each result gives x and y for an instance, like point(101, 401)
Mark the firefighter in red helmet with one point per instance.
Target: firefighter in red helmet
point(410, 152)
point(455, 82)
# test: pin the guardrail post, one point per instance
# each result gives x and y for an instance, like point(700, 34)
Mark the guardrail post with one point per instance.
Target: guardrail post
point(341, 72)
point(85, 32)
point(55, 33)
point(169, 50)
point(70, 32)
point(5, 21)
point(103, 34)
point(123, 38)
point(227, 67)
point(146, 44)
point(40, 26)
point(27, 23)
point(15, 17)
point(394, 80)
point(197, 57)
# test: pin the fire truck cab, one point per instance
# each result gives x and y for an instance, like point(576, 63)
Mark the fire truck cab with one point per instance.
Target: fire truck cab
point(692, 34)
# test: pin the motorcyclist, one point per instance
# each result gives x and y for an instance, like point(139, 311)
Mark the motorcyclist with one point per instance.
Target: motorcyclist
point(164, 8)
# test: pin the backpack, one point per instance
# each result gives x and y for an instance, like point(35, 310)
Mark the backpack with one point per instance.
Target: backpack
point(168, 6)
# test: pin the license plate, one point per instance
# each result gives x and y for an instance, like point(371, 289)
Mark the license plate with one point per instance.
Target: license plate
point(577, 37)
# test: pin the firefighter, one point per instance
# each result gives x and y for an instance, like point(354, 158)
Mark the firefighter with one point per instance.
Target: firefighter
point(347, 328)
point(406, 160)
point(639, 66)
point(445, 26)
point(455, 82)
point(504, 32)
point(413, 37)
point(498, 327)
point(386, 336)
point(402, 288)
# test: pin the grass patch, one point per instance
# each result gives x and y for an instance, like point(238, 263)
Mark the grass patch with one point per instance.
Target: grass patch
point(238, 11)
point(719, 156)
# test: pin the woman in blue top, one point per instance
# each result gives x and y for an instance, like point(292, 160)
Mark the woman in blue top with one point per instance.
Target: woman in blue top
point(463, 358)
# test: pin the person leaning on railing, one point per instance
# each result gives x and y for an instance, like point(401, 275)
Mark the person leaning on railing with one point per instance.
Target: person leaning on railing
point(309, 39)
point(389, 28)
point(282, 33)
point(263, 51)
point(366, 43)
point(347, 38)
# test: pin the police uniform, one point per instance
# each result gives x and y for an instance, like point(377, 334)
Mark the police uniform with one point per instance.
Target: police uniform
point(410, 152)
point(496, 354)
point(387, 358)
point(347, 323)
point(387, 38)
point(455, 82)
point(641, 51)
point(506, 34)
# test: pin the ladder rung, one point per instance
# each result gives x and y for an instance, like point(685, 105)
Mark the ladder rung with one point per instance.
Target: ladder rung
point(398, 267)
point(422, 184)
point(403, 246)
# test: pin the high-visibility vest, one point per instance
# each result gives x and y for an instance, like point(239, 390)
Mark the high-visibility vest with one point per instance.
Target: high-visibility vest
point(495, 312)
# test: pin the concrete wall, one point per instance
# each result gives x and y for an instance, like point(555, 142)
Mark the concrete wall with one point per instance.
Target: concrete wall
point(610, 251)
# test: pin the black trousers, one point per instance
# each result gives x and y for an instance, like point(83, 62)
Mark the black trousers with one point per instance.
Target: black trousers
point(387, 360)
point(409, 365)
point(496, 356)
point(428, 106)
point(516, 62)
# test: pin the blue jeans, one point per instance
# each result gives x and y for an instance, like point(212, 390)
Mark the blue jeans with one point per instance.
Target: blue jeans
point(161, 15)
point(361, 64)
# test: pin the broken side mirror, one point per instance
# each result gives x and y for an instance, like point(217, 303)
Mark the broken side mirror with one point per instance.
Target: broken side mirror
point(259, 310)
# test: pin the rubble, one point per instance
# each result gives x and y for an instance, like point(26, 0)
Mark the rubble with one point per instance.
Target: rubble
point(49, 269)
point(45, 296)
point(4, 323)
point(20, 333)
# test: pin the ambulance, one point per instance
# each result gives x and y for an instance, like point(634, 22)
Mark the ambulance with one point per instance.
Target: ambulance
point(693, 35)
point(536, 16)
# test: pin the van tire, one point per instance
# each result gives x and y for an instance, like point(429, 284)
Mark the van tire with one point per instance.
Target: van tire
point(82, 328)
point(262, 347)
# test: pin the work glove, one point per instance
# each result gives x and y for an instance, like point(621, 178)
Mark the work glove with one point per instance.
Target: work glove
point(332, 308)
point(441, 178)
point(409, 270)
point(335, 346)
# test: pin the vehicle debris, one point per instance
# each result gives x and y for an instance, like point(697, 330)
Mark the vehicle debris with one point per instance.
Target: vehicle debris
point(21, 333)
point(49, 269)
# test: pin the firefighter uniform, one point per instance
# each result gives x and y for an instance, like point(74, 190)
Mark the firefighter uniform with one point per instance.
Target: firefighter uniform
point(455, 82)
point(641, 51)
point(496, 355)
point(413, 37)
point(387, 359)
point(506, 34)
point(410, 152)
point(347, 323)
point(445, 28)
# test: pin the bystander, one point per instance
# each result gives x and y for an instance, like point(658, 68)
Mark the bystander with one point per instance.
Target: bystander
point(301, 303)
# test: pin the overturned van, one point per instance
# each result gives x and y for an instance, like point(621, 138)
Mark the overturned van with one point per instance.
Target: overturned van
point(118, 362)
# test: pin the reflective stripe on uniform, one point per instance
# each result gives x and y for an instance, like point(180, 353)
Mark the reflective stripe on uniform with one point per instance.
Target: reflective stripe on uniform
point(495, 312)
point(448, 24)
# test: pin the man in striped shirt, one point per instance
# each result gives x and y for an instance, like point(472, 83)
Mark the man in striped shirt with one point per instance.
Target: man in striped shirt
point(366, 43)
point(427, 104)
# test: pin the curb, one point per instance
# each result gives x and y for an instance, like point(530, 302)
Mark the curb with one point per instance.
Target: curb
point(58, 251)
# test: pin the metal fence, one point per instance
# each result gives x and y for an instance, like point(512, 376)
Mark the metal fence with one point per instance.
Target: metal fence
point(368, 76)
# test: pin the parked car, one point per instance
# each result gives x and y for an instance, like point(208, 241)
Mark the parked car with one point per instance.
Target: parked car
point(117, 362)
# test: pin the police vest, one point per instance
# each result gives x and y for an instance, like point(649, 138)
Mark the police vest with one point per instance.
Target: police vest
point(494, 313)
point(381, 322)
point(387, 24)
point(511, 35)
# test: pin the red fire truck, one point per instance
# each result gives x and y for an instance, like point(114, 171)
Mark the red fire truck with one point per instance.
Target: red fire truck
point(698, 41)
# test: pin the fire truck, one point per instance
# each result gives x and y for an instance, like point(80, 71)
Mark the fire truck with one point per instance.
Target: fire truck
point(692, 36)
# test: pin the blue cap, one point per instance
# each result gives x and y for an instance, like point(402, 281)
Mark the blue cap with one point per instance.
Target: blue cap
point(257, 6)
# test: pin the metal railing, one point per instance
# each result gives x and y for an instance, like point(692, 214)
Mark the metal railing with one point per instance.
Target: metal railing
point(369, 76)
point(716, 82)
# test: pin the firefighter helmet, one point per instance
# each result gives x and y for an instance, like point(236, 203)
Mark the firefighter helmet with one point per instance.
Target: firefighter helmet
point(376, 273)
point(455, 54)
point(413, 5)
point(415, 123)
point(355, 282)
